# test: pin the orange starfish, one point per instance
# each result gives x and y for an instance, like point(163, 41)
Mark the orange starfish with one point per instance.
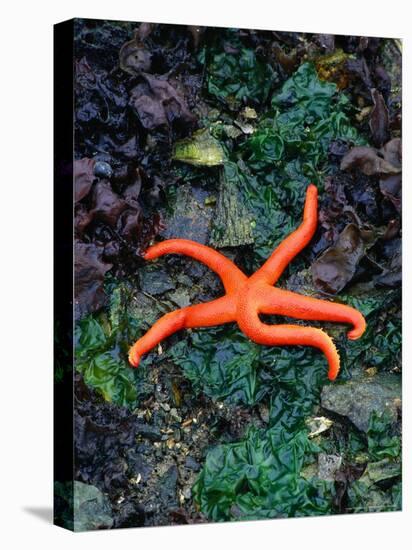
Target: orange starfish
point(247, 297)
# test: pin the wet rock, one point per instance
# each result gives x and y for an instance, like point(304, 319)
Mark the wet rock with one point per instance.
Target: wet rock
point(103, 170)
point(175, 416)
point(168, 486)
point(231, 131)
point(326, 42)
point(92, 508)
point(155, 282)
point(138, 464)
point(357, 398)
point(148, 432)
point(146, 310)
point(129, 513)
point(328, 465)
point(180, 297)
point(232, 222)
point(187, 493)
point(191, 218)
point(192, 464)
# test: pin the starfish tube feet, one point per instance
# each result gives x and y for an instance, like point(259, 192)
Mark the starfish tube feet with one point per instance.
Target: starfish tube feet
point(359, 325)
point(286, 335)
point(134, 357)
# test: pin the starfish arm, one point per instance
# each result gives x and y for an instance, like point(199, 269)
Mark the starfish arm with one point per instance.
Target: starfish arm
point(283, 302)
point(216, 312)
point(230, 274)
point(292, 335)
point(273, 268)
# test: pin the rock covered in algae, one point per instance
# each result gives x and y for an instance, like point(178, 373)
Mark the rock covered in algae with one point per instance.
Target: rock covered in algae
point(190, 217)
point(232, 222)
point(201, 149)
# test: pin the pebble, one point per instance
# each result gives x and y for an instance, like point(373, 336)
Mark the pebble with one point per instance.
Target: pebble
point(175, 415)
point(192, 464)
point(102, 169)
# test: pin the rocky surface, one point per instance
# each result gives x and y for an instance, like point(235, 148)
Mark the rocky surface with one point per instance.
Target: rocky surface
point(356, 399)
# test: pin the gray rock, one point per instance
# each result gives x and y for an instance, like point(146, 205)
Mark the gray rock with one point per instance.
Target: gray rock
point(232, 222)
point(180, 297)
point(148, 432)
point(138, 464)
point(146, 309)
point(328, 465)
point(357, 398)
point(192, 464)
point(190, 218)
point(168, 486)
point(102, 169)
point(155, 281)
point(92, 508)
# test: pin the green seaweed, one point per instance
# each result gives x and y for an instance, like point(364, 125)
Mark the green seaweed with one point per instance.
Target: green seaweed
point(225, 365)
point(240, 76)
point(380, 346)
point(382, 442)
point(272, 168)
point(380, 488)
point(101, 344)
point(259, 477)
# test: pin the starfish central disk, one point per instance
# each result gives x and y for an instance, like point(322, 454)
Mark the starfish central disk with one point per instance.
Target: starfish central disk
point(247, 297)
